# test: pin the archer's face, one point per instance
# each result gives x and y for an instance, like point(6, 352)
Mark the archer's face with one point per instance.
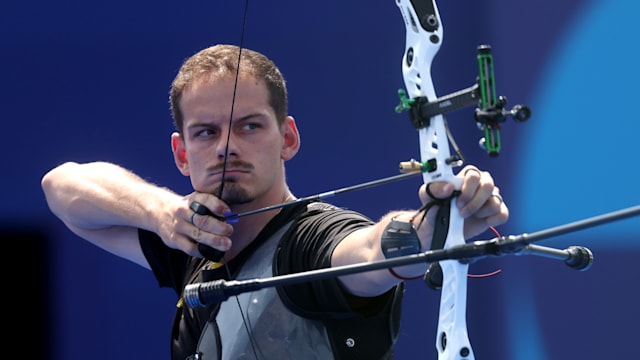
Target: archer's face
point(251, 143)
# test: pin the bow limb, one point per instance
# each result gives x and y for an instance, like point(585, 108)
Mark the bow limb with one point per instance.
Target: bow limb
point(424, 34)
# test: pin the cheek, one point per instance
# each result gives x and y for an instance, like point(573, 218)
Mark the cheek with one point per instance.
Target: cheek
point(276, 151)
point(198, 177)
point(194, 164)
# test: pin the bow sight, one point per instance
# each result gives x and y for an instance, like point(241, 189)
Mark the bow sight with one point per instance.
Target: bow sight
point(488, 115)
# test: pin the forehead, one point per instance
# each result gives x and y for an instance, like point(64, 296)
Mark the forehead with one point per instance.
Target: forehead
point(226, 88)
point(221, 84)
point(214, 95)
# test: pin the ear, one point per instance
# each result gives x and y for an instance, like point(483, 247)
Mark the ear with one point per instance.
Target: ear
point(180, 153)
point(291, 137)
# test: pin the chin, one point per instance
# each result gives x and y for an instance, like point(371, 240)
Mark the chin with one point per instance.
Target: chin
point(233, 194)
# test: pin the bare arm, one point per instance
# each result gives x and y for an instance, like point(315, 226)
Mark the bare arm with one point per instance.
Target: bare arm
point(106, 204)
point(476, 203)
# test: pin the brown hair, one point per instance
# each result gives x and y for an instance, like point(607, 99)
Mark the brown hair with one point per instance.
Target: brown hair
point(222, 60)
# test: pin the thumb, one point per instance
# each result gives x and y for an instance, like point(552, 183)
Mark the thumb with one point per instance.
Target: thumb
point(436, 190)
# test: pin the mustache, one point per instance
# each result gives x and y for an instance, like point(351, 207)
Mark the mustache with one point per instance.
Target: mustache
point(232, 165)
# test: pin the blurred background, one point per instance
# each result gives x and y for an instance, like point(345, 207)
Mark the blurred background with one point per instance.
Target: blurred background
point(89, 81)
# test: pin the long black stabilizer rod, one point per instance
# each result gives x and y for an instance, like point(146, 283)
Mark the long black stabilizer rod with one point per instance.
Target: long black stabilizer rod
point(582, 224)
point(577, 257)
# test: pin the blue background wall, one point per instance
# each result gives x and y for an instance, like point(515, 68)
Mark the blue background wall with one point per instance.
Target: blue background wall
point(85, 81)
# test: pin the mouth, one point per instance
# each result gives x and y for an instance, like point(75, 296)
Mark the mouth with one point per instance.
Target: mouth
point(231, 168)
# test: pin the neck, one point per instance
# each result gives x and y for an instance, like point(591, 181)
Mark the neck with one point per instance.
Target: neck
point(247, 228)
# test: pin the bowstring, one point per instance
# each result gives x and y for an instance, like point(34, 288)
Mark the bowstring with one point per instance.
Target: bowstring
point(224, 168)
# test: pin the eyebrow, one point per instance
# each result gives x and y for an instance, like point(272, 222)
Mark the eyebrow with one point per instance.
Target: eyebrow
point(205, 123)
point(258, 116)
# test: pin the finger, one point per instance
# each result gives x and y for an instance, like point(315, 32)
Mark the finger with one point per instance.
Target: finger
point(497, 197)
point(435, 191)
point(196, 234)
point(472, 178)
point(469, 170)
point(208, 231)
point(200, 209)
point(185, 244)
point(498, 218)
point(217, 241)
point(493, 213)
point(476, 191)
point(206, 220)
point(207, 204)
point(493, 206)
point(475, 226)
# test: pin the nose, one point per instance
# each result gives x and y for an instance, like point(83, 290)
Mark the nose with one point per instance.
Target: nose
point(226, 146)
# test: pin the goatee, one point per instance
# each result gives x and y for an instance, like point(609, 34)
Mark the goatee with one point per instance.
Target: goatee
point(232, 194)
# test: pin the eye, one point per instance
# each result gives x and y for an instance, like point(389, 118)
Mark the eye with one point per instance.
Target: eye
point(204, 133)
point(251, 126)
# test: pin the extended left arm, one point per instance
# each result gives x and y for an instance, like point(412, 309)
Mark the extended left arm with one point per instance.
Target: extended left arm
point(479, 203)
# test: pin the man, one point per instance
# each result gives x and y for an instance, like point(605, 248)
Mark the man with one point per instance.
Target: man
point(234, 137)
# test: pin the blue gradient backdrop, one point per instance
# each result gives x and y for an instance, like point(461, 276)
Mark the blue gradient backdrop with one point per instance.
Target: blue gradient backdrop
point(87, 81)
